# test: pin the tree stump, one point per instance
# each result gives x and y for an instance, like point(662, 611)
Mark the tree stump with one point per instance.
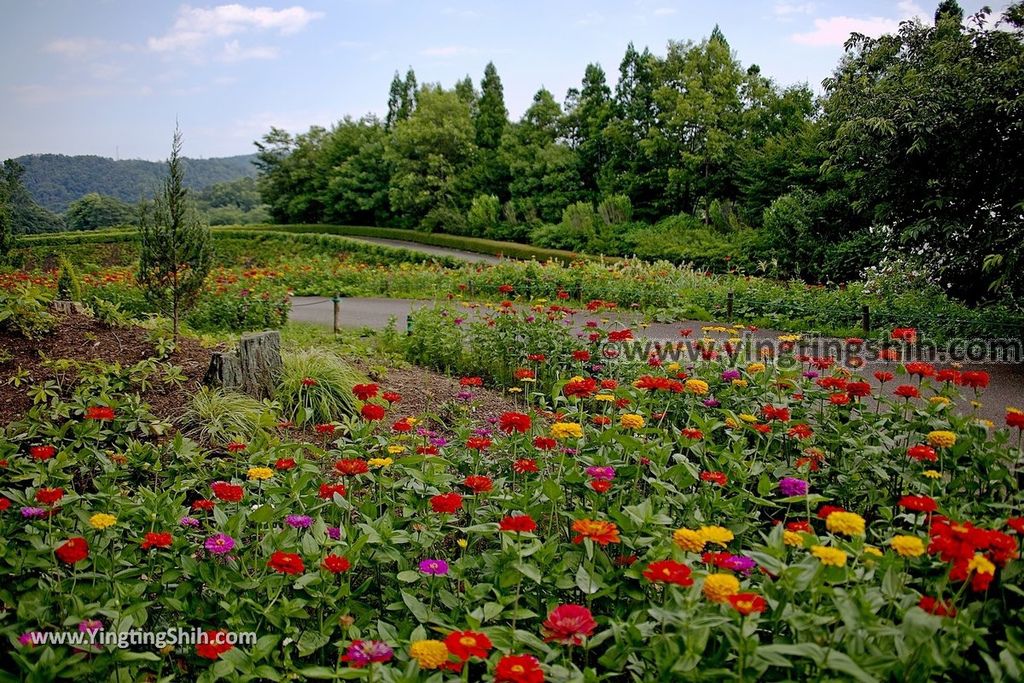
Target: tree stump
point(65, 307)
point(253, 369)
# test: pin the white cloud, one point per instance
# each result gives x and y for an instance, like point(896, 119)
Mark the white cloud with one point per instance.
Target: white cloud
point(196, 27)
point(832, 31)
point(460, 13)
point(785, 9)
point(233, 52)
point(664, 11)
point(84, 48)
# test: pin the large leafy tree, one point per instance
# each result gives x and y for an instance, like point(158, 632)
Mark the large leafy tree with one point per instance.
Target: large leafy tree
point(431, 155)
point(927, 126)
point(98, 211)
point(589, 112)
point(175, 249)
point(490, 117)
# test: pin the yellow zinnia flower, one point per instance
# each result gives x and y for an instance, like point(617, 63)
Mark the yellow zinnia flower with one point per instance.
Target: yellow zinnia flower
point(739, 383)
point(720, 587)
point(932, 474)
point(829, 556)
point(792, 538)
point(941, 438)
point(689, 540)
point(696, 386)
point(748, 418)
point(102, 520)
point(981, 564)
point(731, 423)
point(849, 523)
point(718, 535)
point(395, 450)
point(381, 463)
point(755, 368)
point(907, 546)
point(566, 430)
point(259, 473)
point(430, 654)
point(632, 421)
point(936, 400)
point(604, 397)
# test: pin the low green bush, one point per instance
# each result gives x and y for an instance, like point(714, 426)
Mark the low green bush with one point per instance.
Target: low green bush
point(316, 387)
point(218, 417)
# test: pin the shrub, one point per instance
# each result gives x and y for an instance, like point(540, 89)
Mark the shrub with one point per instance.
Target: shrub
point(483, 215)
point(68, 286)
point(316, 387)
point(24, 311)
point(218, 417)
point(615, 209)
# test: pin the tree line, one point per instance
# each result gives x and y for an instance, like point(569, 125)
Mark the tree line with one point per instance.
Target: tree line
point(913, 149)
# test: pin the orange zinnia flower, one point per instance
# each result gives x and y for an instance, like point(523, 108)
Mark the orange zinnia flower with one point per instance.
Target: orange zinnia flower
point(598, 531)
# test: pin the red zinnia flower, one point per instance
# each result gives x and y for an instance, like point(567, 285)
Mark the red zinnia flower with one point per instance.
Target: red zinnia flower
point(882, 376)
point(478, 443)
point(714, 477)
point(568, 625)
point(391, 397)
point(858, 389)
point(514, 422)
point(922, 452)
point(620, 335)
point(73, 550)
point(49, 496)
point(825, 510)
point(601, 485)
point(517, 523)
point(907, 334)
point(284, 463)
point(478, 483)
point(42, 452)
point(325, 428)
point(351, 466)
point(364, 392)
point(691, 433)
point(203, 504)
point(770, 412)
point(1015, 418)
point(918, 503)
point(581, 387)
point(518, 669)
point(327, 491)
point(426, 450)
point(466, 644)
point(582, 355)
point(236, 447)
point(524, 465)
point(336, 564)
point(446, 502)
point(216, 643)
point(402, 426)
point(669, 571)
point(939, 608)
point(99, 413)
point(748, 603)
point(372, 412)
point(907, 391)
point(160, 539)
point(286, 563)
point(225, 491)
point(920, 368)
point(544, 443)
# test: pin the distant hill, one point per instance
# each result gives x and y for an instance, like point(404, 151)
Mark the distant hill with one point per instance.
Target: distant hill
point(56, 180)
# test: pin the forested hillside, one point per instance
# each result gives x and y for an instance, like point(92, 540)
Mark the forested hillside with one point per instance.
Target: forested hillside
point(56, 180)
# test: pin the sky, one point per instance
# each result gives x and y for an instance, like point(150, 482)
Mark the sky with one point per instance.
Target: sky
point(111, 77)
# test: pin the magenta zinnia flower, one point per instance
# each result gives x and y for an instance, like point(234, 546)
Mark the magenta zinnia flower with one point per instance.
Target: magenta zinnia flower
point(298, 521)
point(568, 625)
point(790, 486)
point(363, 652)
point(603, 473)
point(219, 544)
point(434, 567)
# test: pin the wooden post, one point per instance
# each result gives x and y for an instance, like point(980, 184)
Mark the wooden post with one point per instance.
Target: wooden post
point(408, 324)
point(336, 299)
point(865, 319)
point(730, 299)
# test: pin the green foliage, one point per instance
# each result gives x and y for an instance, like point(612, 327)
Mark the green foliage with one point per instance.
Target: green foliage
point(316, 387)
point(484, 215)
point(97, 211)
point(68, 286)
point(25, 311)
point(918, 123)
point(55, 181)
point(217, 417)
point(175, 253)
point(24, 215)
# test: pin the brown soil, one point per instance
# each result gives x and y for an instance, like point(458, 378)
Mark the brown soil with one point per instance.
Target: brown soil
point(425, 392)
point(81, 338)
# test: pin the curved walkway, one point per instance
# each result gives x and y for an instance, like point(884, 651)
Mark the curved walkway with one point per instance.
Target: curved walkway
point(470, 256)
point(1006, 387)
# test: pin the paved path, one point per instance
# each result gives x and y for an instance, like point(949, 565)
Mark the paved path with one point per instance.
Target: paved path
point(1005, 389)
point(470, 256)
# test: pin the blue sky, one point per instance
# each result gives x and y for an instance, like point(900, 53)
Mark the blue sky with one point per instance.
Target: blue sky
point(111, 76)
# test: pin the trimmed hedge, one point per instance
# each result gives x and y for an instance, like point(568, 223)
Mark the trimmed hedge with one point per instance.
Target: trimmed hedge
point(476, 245)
